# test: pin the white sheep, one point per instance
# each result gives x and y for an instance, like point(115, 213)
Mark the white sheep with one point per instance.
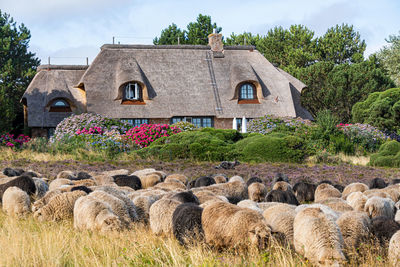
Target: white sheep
point(355, 228)
point(16, 202)
point(161, 216)
point(377, 206)
point(357, 200)
point(394, 250)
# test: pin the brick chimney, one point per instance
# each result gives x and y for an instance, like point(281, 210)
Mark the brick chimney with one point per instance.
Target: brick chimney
point(215, 42)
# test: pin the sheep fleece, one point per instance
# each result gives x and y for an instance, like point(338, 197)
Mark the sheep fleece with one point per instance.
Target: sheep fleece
point(16, 202)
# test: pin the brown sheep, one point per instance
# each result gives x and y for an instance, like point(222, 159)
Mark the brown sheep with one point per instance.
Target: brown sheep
point(337, 204)
point(394, 250)
point(16, 202)
point(220, 179)
point(65, 175)
point(257, 192)
point(161, 216)
point(393, 193)
point(227, 225)
point(376, 193)
point(179, 177)
point(84, 182)
point(357, 200)
point(318, 238)
point(280, 218)
point(355, 228)
point(233, 191)
point(143, 204)
point(116, 172)
point(283, 186)
point(45, 199)
point(60, 207)
point(206, 195)
point(325, 191)
point(145, 172)
point(354, 187)
point(96, 215)
point(170, 185)
point(150, 180)
point(103, 179)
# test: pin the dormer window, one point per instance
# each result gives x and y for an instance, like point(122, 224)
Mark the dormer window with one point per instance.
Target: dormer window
point(132, 91)
point(60, 105)
point(247, 91)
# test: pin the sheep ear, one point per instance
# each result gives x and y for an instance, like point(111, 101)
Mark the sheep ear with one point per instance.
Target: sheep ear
point(253, 231)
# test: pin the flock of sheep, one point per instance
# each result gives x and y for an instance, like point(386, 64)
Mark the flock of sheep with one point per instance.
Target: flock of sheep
point(222, 212)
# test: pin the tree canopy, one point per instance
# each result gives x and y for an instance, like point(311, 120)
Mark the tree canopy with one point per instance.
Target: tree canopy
point(17, 68)
point(390, 57)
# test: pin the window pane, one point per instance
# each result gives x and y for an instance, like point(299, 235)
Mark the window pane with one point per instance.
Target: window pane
point(196, 122)
point(206, 122)
point(238, 124)
point(145, 121)
point(60, 103)
point(249, 92)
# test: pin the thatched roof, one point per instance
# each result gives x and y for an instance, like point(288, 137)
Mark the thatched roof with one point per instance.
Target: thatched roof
point(50, 83)
point(176, 80)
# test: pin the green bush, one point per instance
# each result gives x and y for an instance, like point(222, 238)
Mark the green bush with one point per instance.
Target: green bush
point(380, 109)
point(271, 149)
point(387, 156)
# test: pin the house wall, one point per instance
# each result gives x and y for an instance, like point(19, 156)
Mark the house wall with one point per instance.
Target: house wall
point(39, 132)
point(222, 123)
point(159, 121)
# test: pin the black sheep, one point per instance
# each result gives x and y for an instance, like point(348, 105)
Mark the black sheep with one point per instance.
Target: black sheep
point(304, 191)
point(82, 188)
point(395, 181)
point(31, 174)
point(204, 181)
point(186, 197)
point(186, 223)
point(24, 182)
point(254, 180)
point(83, 176)
point(131, 181)
point(191, 184)
point(339, 187)
point(281, 177)
point(377, 183)
point(282, 196)
point(10, 172)
point(383, 228)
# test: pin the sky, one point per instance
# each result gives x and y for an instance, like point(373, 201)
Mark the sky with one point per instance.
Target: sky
point(68, 31)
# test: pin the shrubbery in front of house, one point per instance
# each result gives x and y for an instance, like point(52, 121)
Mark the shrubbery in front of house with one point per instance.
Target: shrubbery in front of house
point(185, 126)
point(387, 156)
point(8, 140)
point(145, 134)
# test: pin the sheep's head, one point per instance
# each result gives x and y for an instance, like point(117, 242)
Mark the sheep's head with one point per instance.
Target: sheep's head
point(259, 236)
point(331, 257)
point(109, 222)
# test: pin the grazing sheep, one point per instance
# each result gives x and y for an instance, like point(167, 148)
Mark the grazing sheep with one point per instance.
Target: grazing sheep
point(330, 213)
point(325, 182)
point(170, 185)
point(59, 207)
point(45, 199)
point(120, 195)
point(186, 223)
point(257, 192)
point(395, 181)
point(250, 204)
point(83, 188)
point(227, 225)
point(41, 187)
point(70, 175)
point(317, 237)
point(10, 172)
point(204, 181)
point(393, 193)
point(16, 202)
point(236, 178)
point(355, 228)
point(280, 218)
point(116, 172)
point(103, 179)
point(383, 228)
point(354, 187)
point(130, 181)
point(394, 250)
point(186, 196)
point(281, 177)
point(117, 206)
point(357, 200)
point(179, 177)
point(150, 180)
point(96, 215)
point(337, 204)
point(57, 183)
point(161, 216)
point(25, 183)
point(282, 196)
point(377, 206)
point(254, 180)
point(233, 191)
point(324, 191)
point(220, 178)
point(206, 195)
point(397, 216)
point(266, 205)
point(145, 172)
point(304, 191)
point(84, 182)
point(83, 176)
point(284, 186)
point(377, 183)
point(191, 184)
point(143, 204)
point(339, 187)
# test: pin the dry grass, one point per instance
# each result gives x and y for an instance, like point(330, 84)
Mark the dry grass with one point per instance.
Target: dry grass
point(30, 243)
point(355, 160)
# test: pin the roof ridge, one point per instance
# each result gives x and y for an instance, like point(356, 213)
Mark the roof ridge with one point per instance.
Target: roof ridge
point(195, 47)
point(62, 67)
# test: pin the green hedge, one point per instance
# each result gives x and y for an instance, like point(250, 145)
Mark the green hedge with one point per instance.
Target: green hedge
point(387, 156)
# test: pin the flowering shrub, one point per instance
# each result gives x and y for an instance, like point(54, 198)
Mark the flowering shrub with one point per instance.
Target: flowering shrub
point(8, 140)
point(146, 133)
point(270, 123)
point(82, 123)
point(185, 126)
point(363, 135)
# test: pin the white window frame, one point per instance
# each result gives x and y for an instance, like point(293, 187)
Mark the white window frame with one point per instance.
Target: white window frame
point(132, 93)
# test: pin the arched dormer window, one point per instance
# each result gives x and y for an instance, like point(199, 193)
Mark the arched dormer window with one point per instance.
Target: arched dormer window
point(60, 105)
point(247, 94)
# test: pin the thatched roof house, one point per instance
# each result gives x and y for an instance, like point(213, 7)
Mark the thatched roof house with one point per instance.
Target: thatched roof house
point(165, 84)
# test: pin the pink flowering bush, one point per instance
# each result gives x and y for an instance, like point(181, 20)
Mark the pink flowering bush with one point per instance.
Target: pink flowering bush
point(148, 133)
point(8, 140)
